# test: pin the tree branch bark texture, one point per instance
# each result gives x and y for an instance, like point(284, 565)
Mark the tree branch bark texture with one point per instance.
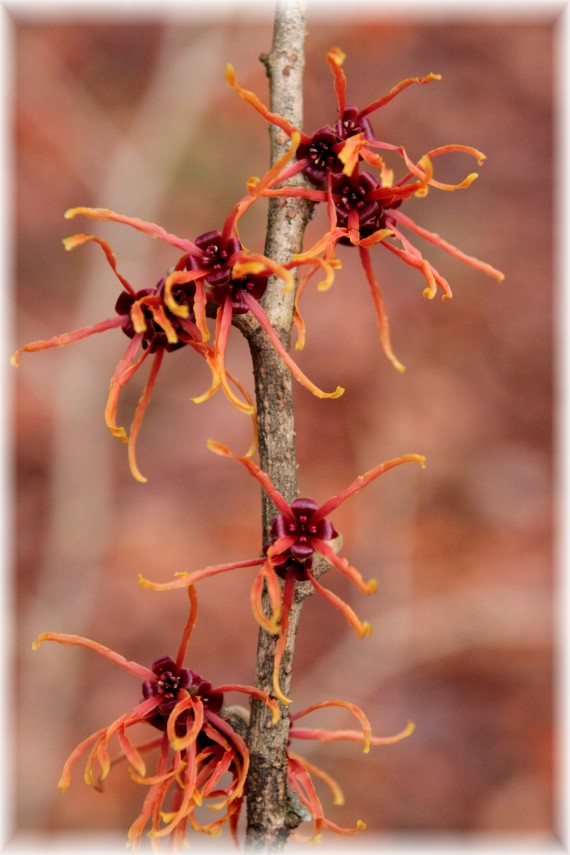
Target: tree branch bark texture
point(271, 817)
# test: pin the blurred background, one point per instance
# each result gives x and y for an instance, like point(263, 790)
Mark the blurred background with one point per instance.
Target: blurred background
point(134, 115)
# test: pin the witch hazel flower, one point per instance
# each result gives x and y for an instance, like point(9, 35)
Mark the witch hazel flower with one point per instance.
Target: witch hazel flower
point(229, 278)
point(146, 318)
point(200, 759)
point(299, 531)
point(302, 775)
point(329, 148)
point(364, 211)
point(366, 207)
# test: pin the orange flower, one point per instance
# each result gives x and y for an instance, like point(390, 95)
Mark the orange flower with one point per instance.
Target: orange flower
point(301, 773)
point(153, 329)
point(332, 148)
point(299, 530)
point(196, 748)
point(364, 208)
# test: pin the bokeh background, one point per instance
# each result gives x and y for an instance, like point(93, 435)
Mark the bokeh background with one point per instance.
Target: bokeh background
point(134, 114)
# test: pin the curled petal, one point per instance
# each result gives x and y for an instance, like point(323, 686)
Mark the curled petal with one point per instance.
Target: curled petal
point(65, 338)
point(349, 154)
point(141, 225)
point(77, 240)
point(180, 743)
point(98, 740)
point(403, 84)
point(335, 59)
point(332, 784)
point(210, 356)
point(323, 735)
point(189, 794)
point(365, 733)
point(287, 602)
point(139, 413)
point(79, 641)
point(414, 258)
point(121, 376)
point(185, 579)
point(255, 693)
point(241, 751)
point(179, 277)
point(256, 598)
point(130, 752)
point(465, 149)
point(258, 474)
point(436, 240)
point(362, 628)
point(190, 624)
point(300, 781)
point(344, 567)
point(363, 480)
point(255, 186)
point(381, 316)
point(254, 263)
point(263, 320)
point(253, 101)
point(223, 324)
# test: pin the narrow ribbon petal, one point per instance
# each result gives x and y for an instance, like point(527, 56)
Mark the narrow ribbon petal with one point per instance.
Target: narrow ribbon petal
point(65, 338)
point(77, 240)
point(139, 413)
point(253, 101)
point(362, 481)
point(261, 317)
point(141, 225)
point(79, 641)
point(362, 628)
point(335, 58)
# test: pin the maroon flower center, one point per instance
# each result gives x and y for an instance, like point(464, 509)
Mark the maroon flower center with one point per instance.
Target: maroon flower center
point(154, 336)
point(167, 685)
point(214, 257)
point(253, 285)
point(320, 152)
point(304, 528)
point(352, 123)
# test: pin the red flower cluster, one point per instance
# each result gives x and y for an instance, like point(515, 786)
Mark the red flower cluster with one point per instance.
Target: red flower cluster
point(299, 530)
point(199, 760)
point(196, 749)
point(215, 271)
point(366, 208)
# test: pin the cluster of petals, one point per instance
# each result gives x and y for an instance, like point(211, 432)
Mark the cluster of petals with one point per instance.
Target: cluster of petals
point(195, 754)
point(366, 209)
point(299, 530)
point(200, 761)
point(214, 272)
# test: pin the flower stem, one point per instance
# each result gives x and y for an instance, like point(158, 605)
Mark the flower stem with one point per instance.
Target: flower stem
point(270, 816)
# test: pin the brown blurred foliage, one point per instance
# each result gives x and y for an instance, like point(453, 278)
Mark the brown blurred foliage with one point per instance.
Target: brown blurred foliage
point(135, 115)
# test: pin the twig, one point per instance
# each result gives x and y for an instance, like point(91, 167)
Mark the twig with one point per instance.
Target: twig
point(270, 817)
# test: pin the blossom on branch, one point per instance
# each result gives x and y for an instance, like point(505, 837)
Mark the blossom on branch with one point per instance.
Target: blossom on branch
point(146, 318)
point(299, 530)
point(364, 207)
point(215, 271)
point(196, 748)
point(329, 149)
